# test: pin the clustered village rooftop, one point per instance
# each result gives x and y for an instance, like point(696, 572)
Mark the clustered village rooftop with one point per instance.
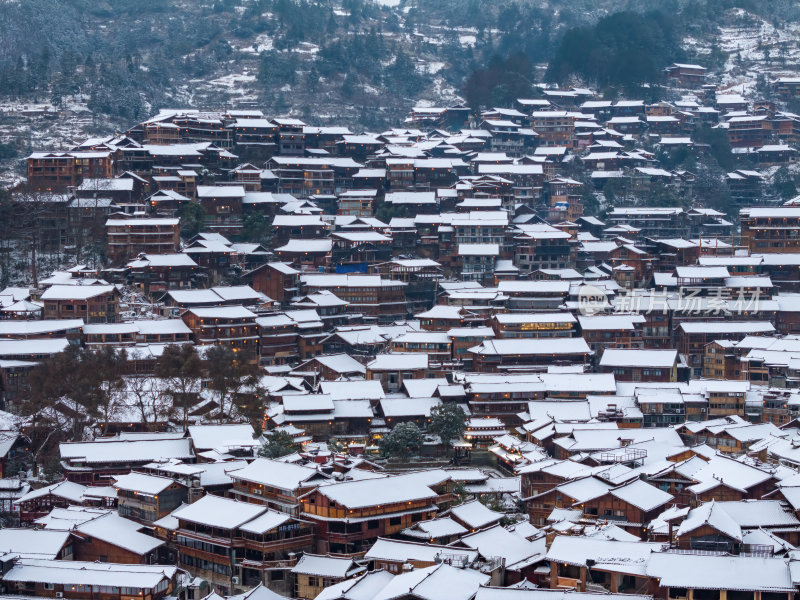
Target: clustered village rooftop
point(619, 363)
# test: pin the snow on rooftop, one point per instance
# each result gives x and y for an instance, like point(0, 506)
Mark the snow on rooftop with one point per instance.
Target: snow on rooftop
point(475, 515)
point(398, 361)
point(402, 551)
point(223, 312)
point(118, 531)
point(626, 357)
point(216, 511)
point(213, 437)
point(125, 451)
point(267, 521)
point(71, 572)
point(278, 474)
point(33, 543)
point(626, 557)
point(709, 572)
point(498, 541)
point(141, 482)
point(334, 567)
point(372, 492)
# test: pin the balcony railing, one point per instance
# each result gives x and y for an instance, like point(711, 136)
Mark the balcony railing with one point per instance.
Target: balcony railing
point(267, 565)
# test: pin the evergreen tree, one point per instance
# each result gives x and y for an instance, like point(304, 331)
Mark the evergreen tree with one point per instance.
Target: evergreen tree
point(449, 422)
point(278, 444)
point(192, 219)
point(403, 441)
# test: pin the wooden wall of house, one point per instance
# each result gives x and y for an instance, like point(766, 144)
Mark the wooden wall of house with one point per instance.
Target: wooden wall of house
point(92, 550)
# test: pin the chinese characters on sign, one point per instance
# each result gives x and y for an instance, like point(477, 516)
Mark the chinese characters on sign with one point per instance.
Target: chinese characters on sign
point(593, 300)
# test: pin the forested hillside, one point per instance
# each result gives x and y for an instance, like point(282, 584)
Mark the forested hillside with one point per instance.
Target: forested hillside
point(362, 61)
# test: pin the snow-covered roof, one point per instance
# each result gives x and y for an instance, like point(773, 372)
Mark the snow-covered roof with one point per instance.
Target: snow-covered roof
point(118, 531)
point(401, 551)
point(723, 327)
point(397, 361)
point(142, 483)
point(125, 451)
point(408, 407)
point(372, 492)
point(435, 528)
point(713, 515)
point(275, 473)
point(76, 292)
point(266, 521)
point(759, 513)
point(216, 511)
point(13, 328)
point(340, 363)
point(709, 572)
point(627, 357)
point(534, 346)
point(72, 572)
point(475, 515)
point(498, 541)
point(434, 583)
point(334, 567)
point(353, 390)
point(162, 327)
point(642, 495)
point(63, 489)
point(608, 555)
point(33, 543)
point(213, 437)
point(223, 312)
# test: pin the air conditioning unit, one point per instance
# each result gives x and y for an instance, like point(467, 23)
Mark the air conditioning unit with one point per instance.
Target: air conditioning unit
point(59, 594)
point(235, 580)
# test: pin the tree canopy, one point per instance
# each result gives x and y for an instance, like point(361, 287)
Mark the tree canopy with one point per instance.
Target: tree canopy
point(403, 441)
point(277, 444)
point(234, 382)
point(500, 83)
point(448, 421)
point(624, 48)
point(181, 367)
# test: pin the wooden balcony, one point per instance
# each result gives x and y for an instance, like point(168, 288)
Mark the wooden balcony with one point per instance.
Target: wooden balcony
point(267, 565)
point(568, 583)
point(285, 544)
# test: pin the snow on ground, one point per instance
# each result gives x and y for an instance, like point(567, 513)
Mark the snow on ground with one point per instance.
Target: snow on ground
point(754, 47)
point(747, 37)
point(467, 40)
point(233, 82)
point(431, 67)
point(443, 94)
point(261, 43)
point(422, 103)
point(695, 45)
point(307, 48)
point(36, 126)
